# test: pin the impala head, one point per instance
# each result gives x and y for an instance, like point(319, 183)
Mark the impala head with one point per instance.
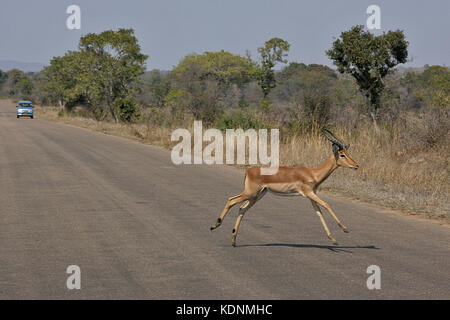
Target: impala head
point(340, 151)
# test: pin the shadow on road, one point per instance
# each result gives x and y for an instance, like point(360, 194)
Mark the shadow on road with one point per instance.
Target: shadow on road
point(294, 245)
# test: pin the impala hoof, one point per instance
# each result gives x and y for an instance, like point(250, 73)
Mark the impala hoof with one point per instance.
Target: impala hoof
point(346, 230)
point(218, 223)
point(334, 241)
point(214, 227)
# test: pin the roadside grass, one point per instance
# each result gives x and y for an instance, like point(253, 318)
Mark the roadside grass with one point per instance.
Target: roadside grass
point(415, 182)
point(394, 173)
point(140, 132)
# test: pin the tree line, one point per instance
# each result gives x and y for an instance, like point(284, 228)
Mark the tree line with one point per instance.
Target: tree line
point(107, 76)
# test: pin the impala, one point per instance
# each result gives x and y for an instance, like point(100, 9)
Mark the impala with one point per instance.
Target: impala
point(292, 181)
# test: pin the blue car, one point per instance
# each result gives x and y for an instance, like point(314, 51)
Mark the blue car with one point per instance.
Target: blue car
point(25, 109)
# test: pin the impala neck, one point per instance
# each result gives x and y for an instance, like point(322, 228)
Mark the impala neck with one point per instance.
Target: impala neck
point(322, 172)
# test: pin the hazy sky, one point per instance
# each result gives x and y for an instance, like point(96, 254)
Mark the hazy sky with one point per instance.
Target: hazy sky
point(35, 31)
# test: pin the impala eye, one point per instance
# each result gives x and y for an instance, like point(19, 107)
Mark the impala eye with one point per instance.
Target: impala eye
point(342, 155)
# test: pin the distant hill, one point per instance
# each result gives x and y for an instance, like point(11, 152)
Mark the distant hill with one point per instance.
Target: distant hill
point(6, 65)
point(403, 70)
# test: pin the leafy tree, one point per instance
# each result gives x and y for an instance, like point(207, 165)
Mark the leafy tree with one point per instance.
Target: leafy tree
point(106, 67)
point(25, 86)
point(3, 77)
point(274, 51)
point(207, 79)
point(431, 86)
point(17, 81)
point(15, 75)
point(115, 64)
point(154, 87)
point(224, 67)
point(159, 92)
point(65, 80)
point(297, 80)
point(368, 59)
point(176, 97)
point(178, 101)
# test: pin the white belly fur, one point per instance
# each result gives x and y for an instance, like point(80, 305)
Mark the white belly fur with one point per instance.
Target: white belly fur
point(287, 194)
point(291, 189)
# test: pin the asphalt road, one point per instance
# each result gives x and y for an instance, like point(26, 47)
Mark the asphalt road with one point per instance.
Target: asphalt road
point(138, 227)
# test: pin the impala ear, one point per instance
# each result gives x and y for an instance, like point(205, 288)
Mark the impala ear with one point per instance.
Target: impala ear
point(347, 147)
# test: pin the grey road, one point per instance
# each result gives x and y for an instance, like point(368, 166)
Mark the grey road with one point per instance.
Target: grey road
point(138, 227)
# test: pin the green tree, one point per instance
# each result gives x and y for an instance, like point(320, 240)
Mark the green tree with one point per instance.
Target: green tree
point(297, 80)
point(224, 67)
point(106, 67)
point(15, 75)
point(115, 65)
point(274, 51)
point(208, 79)
point(431, 86)
point(154, 87)
point(368, 59)
point(16, 81)
point(25, 86)
point(65, 83)
point(3, 77)
point(159, 92)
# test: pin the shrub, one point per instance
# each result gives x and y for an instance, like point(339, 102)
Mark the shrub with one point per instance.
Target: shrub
point(127, 108)
point(243, 119)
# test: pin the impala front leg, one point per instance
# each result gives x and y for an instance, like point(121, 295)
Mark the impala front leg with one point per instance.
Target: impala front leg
point(315, 198)
point(319, 213)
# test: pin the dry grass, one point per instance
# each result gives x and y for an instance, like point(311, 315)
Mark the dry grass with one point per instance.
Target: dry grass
point(139, 132)
point(414, 181)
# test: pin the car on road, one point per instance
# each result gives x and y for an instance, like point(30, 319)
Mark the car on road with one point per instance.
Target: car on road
point(25, 109)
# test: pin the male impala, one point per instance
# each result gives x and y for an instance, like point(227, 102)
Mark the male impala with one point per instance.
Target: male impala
point(291, 181)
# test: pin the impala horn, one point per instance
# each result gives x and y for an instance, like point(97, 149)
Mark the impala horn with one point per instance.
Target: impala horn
point(335, 140)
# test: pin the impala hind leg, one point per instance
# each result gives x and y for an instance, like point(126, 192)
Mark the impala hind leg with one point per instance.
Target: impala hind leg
point(314, 197)
point(242, 210)
point(230, 203)
point(319, 213)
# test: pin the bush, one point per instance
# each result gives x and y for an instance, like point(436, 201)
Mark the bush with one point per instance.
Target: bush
point(266, 106)
point(243, 119)
point(156, 117)
point(434, 129)
point(127, 109)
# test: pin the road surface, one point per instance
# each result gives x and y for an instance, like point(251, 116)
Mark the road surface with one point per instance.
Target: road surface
point(138, 227)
